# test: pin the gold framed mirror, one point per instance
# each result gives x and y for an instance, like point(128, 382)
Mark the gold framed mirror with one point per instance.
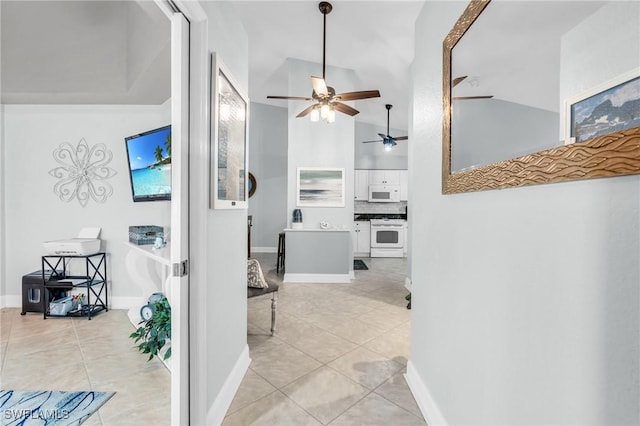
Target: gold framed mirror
point(496, 65)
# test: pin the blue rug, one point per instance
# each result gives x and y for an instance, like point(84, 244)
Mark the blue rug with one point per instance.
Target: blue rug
point(49, 407)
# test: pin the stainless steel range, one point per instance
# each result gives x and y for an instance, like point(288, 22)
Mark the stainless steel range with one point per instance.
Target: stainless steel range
point(387, 237)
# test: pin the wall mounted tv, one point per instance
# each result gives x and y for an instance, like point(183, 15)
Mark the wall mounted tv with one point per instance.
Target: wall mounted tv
point(149, 157)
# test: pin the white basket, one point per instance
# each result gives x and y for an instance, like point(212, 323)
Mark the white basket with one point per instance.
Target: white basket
point(61, 306)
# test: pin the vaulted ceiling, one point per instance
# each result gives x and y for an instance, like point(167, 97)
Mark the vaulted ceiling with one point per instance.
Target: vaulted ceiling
point(373, 38)
point(117, 52)
point(84, 52)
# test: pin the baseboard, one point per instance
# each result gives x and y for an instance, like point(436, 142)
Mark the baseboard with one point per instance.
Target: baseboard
point(407, 283)
point(9, 301)
point(316, 278)
point(430, 411)
point(264, 249)
point(219, 408)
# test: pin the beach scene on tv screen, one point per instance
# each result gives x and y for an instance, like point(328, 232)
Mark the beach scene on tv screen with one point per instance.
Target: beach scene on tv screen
point(150, 162)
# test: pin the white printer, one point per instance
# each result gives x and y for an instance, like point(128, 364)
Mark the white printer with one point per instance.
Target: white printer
point(86, 243)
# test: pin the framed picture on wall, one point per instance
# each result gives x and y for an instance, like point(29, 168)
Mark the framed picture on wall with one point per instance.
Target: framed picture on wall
point(607, 108)
point(229, 132)
point(320, 187)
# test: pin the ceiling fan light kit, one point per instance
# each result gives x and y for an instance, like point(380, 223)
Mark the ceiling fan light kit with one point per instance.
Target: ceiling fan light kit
point(327, 101)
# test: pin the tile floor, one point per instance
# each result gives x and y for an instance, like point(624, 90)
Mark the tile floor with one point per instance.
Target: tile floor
point(68, 354)
point(338, 356)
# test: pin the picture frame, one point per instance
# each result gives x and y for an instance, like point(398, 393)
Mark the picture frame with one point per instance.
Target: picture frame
point(320, 187)
point(603, 109)
point(229, 136)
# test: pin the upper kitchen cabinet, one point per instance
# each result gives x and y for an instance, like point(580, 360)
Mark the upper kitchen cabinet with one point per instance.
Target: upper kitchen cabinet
point(361, 190)
point(384, 177)
point(404, 185)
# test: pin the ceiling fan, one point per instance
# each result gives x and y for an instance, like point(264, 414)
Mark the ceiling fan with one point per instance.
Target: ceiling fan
point(459, 80)
point(387, 140)
point(326, 98)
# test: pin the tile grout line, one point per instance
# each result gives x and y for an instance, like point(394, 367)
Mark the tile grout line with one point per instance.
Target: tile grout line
point(84, 364)
point(388, 400)
point(6, 348)
point(379, 295)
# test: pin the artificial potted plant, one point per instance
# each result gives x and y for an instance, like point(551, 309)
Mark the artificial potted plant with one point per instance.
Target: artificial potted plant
point(155, 331)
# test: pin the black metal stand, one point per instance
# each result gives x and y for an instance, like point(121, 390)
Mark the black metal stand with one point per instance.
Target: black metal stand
point(94, 280)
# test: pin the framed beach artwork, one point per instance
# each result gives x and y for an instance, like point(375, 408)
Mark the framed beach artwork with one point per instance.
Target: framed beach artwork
point(229, 132)
point(320, 187)
point(608, 108)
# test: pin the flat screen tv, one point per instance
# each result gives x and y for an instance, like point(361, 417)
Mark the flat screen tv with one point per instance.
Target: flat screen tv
point(149, 158)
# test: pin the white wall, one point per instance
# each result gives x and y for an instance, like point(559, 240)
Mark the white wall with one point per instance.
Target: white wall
point(3, 281)
point(525, 301)
point(35, 214)
point(320, 144)
point(613, 32)
point(268, 159)
point(485, 131)
point(225, 315)
point(373, 155)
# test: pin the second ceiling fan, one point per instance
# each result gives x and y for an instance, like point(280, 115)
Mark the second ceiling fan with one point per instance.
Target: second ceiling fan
point(459, 80)
point(326, 98)
point(387, 140)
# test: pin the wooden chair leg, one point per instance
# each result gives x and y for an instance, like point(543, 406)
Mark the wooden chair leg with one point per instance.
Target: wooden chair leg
point(274, 303)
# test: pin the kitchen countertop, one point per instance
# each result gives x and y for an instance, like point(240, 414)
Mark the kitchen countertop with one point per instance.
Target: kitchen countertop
point(369, 216)
point(316, 230)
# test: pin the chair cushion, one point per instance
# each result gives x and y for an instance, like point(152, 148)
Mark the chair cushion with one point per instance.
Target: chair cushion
point(253, 292)
point(255, 278)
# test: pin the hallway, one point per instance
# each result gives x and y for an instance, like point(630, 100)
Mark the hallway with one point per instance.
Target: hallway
point(338, 356)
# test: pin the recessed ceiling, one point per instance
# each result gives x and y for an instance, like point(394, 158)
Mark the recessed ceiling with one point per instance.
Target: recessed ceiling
point(84, 52)
point(373, 38)
point(117, 52)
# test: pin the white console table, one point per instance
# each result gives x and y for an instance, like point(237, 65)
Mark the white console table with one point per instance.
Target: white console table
point(149, 269)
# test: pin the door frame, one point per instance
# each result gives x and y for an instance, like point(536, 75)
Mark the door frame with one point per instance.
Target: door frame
point(197, 404)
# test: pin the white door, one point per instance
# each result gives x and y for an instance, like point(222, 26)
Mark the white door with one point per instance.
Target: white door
point(179, 219)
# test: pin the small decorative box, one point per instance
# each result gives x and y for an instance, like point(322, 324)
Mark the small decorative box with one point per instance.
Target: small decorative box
point(145, 234)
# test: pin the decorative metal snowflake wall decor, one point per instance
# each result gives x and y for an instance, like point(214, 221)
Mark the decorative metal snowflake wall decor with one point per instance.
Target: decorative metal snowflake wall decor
point(83, 172)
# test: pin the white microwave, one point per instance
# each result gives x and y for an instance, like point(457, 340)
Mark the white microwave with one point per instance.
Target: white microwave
point(384, 193)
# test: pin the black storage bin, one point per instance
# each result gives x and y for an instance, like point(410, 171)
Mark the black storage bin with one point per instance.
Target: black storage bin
point(33, 292)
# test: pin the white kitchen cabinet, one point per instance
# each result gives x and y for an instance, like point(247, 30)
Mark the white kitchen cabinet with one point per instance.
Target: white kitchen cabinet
point(361, 189)
point(361, 235)
point(404, 185)
point(384, 177)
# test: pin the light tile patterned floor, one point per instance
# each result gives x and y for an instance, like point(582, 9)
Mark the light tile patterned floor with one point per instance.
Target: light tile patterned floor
point(75, 354)
point(338, 356)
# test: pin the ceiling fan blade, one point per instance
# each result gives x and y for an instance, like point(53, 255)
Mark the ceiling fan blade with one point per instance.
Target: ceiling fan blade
point(293, 98)
point(462, 98)
point(372, 141)
point(383, 136)
point(362, 94)
point(306, 111)
point(319, 86)
point(345, 109)
point(400, 138)
point(457, 80)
